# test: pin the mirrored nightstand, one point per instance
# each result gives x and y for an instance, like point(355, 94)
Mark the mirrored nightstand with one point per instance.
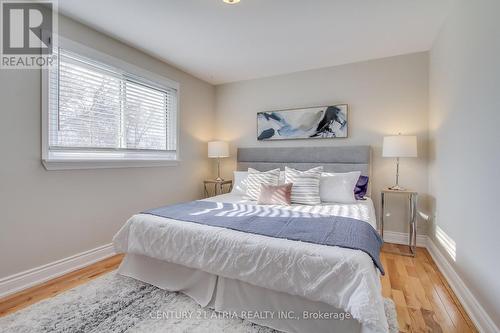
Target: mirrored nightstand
point(412, 206)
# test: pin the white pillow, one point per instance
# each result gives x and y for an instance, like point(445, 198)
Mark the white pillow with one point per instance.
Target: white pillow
point(256, 178)
point(338, 187)
point(282, 178)
point(305, 189)
point(240, 182)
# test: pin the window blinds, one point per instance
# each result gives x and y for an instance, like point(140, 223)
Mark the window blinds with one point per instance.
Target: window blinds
point(97, 107)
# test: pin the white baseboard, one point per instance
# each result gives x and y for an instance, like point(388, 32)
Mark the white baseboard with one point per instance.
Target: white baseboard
point(476, 312)
point(37, 275)
point(402, 238)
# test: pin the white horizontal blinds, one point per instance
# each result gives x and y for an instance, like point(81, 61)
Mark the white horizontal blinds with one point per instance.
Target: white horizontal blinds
point(98, 107)
point(146, 117)
point(88, 110)
point(171, 101)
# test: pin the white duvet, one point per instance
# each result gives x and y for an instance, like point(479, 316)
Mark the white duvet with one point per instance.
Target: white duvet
point(346, 279)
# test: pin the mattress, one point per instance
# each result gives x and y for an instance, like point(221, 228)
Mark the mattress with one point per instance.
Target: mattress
point(343, 278)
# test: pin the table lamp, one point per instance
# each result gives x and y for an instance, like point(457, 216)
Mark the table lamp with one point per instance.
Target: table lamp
point(399, 146)
point(218, 150)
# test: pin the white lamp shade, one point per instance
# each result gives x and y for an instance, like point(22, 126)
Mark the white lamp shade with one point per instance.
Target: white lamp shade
point(218, 149)
point(400, 146)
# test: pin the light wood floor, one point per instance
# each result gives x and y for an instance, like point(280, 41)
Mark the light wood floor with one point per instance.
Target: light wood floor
point(424, 300)
point(54, 287)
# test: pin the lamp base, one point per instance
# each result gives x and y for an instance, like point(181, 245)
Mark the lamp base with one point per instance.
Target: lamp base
point(397, 188)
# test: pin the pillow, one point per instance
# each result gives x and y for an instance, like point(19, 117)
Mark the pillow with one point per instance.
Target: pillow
point(305, 189)
point(240, 182)
point(361, 188)
point(275, 195)
point(338, 187)
point(256, 178)
point(282, 177)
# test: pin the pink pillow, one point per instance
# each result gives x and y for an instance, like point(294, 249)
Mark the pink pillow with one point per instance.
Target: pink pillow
point(275, 194)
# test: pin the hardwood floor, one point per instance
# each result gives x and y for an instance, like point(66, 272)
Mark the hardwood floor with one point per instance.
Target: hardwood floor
point(424, 300)
point(56, 286)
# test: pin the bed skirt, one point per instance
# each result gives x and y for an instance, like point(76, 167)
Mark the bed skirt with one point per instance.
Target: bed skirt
point(259, 305)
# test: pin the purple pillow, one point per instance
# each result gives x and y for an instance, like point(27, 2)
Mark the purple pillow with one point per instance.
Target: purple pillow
point(361, 188)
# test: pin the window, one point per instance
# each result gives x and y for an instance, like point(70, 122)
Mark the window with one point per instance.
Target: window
point(99, 115)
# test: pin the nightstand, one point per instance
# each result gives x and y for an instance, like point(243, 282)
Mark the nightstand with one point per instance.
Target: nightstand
point(218, 186)
point(412, 204)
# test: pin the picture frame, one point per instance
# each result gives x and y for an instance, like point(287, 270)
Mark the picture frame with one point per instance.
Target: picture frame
point(318, 122)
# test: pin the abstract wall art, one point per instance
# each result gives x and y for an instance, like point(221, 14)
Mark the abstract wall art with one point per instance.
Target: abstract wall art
point(305, 123)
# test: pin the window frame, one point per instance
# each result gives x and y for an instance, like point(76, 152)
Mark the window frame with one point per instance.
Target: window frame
point(67, 159)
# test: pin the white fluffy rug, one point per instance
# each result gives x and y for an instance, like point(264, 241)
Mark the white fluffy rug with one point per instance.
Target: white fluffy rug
point(114, 303)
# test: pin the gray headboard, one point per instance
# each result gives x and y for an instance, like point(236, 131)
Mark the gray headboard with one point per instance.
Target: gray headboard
point(333, 159)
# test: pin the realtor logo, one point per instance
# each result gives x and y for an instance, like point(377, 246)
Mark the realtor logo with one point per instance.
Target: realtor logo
point(27, 33)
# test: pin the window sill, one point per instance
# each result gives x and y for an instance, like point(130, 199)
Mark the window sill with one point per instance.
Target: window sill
point(74, 164)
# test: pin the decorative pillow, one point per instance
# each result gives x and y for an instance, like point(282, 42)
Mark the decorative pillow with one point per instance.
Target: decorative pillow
point(361, 188)
point(256, 178)
point(339, 187)
point(275, 195)
point(282, 177)
point(240, 182)
point(305, 189)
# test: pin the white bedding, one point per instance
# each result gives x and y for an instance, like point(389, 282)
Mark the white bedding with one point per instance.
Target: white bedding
point(346, 279)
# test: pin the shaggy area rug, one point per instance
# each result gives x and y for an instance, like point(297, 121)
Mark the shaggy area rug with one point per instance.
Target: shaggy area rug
point(114, 303)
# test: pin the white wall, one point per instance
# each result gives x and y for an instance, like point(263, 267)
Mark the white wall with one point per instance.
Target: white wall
point(465, 145)
point(50, 215)
point(386, 96)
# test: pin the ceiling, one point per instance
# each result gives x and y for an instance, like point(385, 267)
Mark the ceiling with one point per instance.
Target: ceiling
point(222, 43)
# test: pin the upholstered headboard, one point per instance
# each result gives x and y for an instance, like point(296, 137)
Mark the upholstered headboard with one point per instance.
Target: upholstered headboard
point(333, 159)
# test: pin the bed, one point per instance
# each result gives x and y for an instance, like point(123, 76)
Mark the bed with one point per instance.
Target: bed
point(269, 281)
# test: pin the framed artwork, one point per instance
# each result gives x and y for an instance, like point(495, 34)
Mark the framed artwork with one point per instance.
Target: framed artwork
point(320, 122)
